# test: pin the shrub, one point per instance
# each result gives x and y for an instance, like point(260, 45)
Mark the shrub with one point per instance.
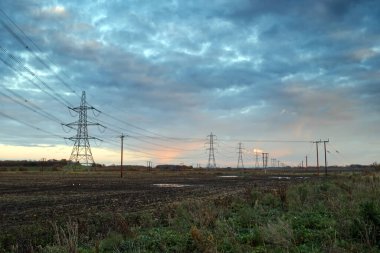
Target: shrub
point(111, 243)
point(366, 227)
point(313, 228)
point(67, 236)
point(278, 233)
point(159, 240)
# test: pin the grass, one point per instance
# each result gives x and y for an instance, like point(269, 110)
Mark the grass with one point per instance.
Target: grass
point(337, 214)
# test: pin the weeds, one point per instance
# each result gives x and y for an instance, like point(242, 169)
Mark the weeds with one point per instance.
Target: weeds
point(333, 215)
point(67, 236)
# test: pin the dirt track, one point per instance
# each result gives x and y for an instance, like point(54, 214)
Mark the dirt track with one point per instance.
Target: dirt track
point(26, 198)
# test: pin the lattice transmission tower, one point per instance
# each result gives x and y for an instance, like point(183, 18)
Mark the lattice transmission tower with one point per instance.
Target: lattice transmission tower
point(211, 156)
point(265, 160)
point(240, 157)
point(257, 163)
point(81, 152)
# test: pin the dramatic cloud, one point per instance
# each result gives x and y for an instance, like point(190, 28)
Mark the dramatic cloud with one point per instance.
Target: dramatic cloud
point(244, 70)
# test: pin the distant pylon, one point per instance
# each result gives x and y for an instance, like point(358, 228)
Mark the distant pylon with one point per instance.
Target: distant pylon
point(240, 157)
point(211, 156)
point(265, 160)
point(257, 164)
point(81, 150)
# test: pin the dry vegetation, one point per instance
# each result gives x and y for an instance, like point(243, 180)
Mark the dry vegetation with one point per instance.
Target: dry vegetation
point(68, 211)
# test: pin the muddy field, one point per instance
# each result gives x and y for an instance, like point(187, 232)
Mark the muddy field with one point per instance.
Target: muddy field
point(28, 198)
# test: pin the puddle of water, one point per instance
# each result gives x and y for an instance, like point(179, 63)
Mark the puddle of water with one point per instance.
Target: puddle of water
point(229, 176)
point(172, 185)
point(302, 177)
point(287, 178)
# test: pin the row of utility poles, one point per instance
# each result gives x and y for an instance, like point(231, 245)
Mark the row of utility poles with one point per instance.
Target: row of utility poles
point(317, 149)
point(240, 158)
point(149, 164)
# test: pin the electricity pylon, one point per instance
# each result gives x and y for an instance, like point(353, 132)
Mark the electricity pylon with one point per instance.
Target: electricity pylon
point(211, 156)
point(265, 160)
point(81, 152)
point(240, 157)
point(257, 163)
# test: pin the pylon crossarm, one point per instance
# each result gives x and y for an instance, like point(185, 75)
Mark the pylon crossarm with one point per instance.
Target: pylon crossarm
point(71, 124)
point(93, 108)
point(89, 123)
point(95, 138)
point(68, 125)
point(75, 109)
point(79, 108)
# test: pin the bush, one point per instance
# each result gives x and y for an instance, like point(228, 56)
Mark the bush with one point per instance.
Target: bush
point(158, 240)
point(366, 227)
point(314, 229)
point(111, 244)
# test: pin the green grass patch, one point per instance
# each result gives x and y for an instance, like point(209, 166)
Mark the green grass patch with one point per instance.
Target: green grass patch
point(339, 214)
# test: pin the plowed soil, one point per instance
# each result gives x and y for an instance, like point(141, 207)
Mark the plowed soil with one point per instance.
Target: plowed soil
point(29, 198)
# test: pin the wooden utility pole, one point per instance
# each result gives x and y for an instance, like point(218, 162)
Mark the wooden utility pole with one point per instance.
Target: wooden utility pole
point(121, 155)
point(316, 144)
point(43, 164)
point(306, 163)
point(324, 144)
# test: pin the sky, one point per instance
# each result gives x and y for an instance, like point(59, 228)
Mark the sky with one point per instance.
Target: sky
point(273, 75)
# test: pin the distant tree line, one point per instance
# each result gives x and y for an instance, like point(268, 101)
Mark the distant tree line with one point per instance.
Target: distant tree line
point(41, 163)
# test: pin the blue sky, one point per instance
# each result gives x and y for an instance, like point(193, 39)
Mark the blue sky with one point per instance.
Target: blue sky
point(245, 70)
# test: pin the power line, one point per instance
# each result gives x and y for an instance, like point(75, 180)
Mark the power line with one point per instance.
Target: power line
point(284, 141)
point(26, 46)
point(169, 138)
point(133, 148)
point(136, 127)
point(20, 67)
point(163, 146)
point(141, 138)
point(26, 106)
point(30, 106)
point(225, 155)
point(156, 135)
point(30, 125)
